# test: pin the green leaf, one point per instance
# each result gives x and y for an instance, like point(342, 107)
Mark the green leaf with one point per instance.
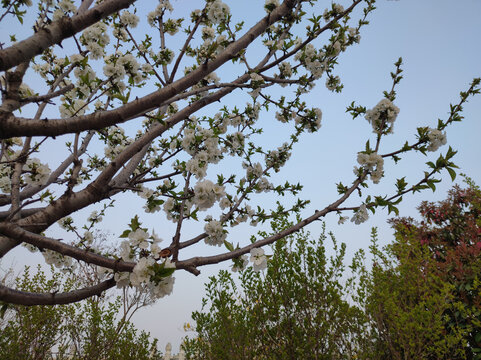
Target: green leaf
point(3, 309)
point(452, 173)
point(125, 234)
point(228, 245)
point(392, 208)
point(134, 223)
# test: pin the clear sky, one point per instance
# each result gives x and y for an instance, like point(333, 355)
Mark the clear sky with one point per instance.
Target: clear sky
point(439, 41)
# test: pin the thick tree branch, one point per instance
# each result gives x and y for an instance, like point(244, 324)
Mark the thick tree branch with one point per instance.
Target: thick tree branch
point(20, 235)
point(27, 298)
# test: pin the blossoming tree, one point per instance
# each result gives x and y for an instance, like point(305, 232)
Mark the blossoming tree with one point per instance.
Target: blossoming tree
point(128, 108)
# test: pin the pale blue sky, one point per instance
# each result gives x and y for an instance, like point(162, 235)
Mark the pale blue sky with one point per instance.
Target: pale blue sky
point(439, 41)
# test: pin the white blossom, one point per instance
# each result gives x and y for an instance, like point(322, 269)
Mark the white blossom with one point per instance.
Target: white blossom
point(129, 19)
point(5, 184)
point(122, 279)
point(67, 6)
point(208, 32)
point(142, 271)
point(125, 251)
point(360, 215)
point(88, 237)
point(217, 12)
point(206, 193)
point(271, 5)
point(216, 233)
point(436, 139)
point(259, 259)
point(374, 163)
point(56, 259)
point(94, 217)
point(382, 116)
point(137, 237)
point(163, 288)
point(36, 172)
point(95, 38)
point(65, 222)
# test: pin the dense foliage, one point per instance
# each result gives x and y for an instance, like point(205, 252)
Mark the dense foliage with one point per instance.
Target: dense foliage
point(298, 309)
point(417, 298)
point(92, 329)
point(451, 230)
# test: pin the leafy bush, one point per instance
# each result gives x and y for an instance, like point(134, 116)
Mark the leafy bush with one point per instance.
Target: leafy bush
point(307, 306)
point(86, 330)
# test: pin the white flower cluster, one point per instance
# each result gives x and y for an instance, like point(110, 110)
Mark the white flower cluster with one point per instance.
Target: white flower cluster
point(208, 33)
point(244, 214)
point(336, 10)
point(140, 239)
point(116, 142)
point(56, 259)
point(332, 82)
point(271, 5)
point(94, 217)
point(5, 184)
point(88, 237)
point(374, 163)
point(360, 215)
point(118, 65)
point(354, 34)
point(143, 275)
point(144, 272)
point(256, 82)
point(254, 171)
point(312, 60)
point(64, 7)
point(66, 222)
point(95, 38)
point(235, 142)
point(129, 19)
point(436, 139)
point(382, 116)
point(273, 44)
point(277, 158)
point(5, 175)
point(217, 12)
point(36, 172)
point(145, 193)
point(311, 119)
point(203, 145)
point(206, 193)
point(163, 57)
point(286, 70)
point(259, 259)
point(30, 247)
point(211, 46)
point(153, 16)
point(85, 76)
point(164, 287)
point(216, 233)
point(72, 107)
